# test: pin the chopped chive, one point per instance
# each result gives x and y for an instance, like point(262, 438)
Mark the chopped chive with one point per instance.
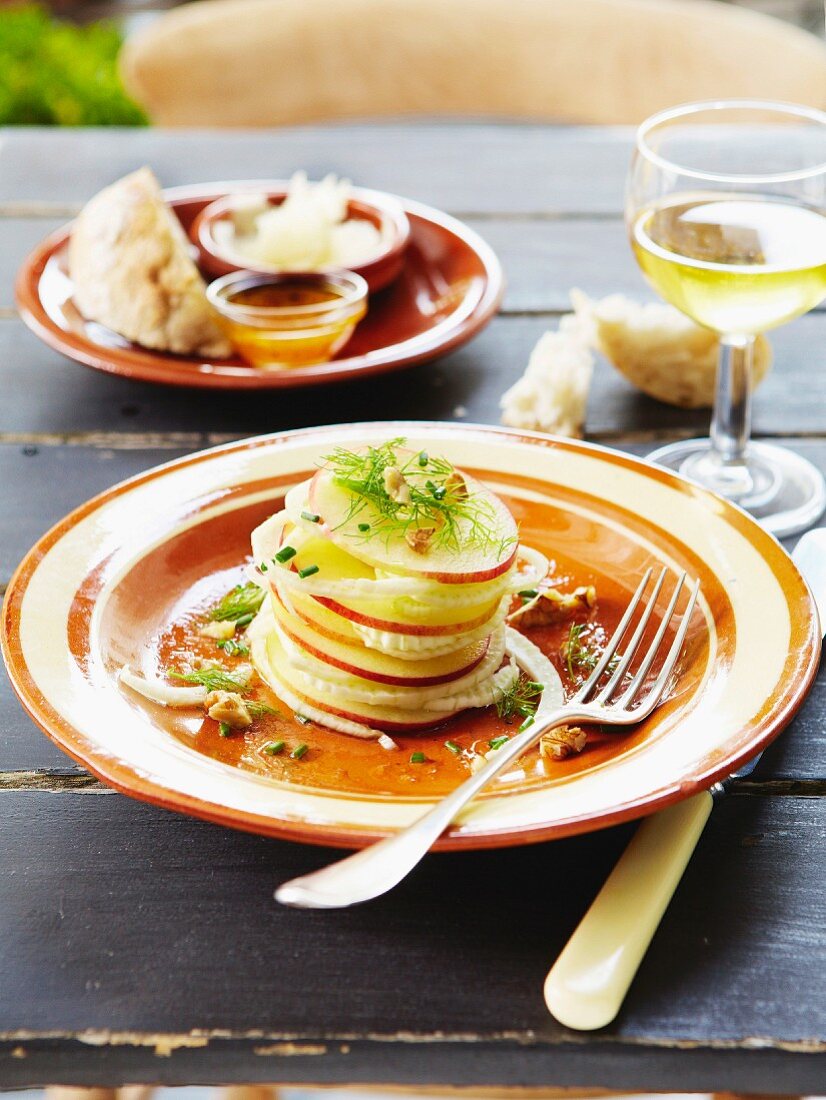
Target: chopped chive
point(233, 648)
point(528, 593)
point(272, 748)
point(311, 517)
point(529, 721)
point(453, 747)
point(364, 527)
point(302, 721)
point(299, 751)
point(498, 742)
point(263, 567)
point(417, 758)
point(423, 458)
point(245, 620)
point(308, 572)
point(225, 729)
point(285, 553)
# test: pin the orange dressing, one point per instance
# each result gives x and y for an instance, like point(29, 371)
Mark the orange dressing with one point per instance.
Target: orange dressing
point(283, 322)
point(345, 764)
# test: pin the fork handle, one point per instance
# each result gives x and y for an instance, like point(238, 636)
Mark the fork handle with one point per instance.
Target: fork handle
point(588, 982)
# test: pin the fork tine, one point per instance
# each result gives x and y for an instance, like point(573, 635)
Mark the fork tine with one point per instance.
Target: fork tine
point(661, 683)
point(632, 647)
point(613, 642)
point(632, 689)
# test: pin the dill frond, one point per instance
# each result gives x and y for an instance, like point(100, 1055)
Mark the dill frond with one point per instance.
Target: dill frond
point(582, 657)
point(258, 709)
point(243, 600)
point(213, 679)
point(521, 698)
point(438, 498)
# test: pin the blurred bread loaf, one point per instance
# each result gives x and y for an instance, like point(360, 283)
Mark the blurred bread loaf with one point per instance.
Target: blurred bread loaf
point(130, 265)
point(660, 350)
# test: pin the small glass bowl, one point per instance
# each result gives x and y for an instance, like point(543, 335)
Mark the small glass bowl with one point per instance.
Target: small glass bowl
point(314, 317)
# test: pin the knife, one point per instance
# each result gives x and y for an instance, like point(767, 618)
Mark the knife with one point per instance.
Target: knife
point(587, 984)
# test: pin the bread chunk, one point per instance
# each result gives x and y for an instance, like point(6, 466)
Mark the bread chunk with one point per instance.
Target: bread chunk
point(130, 265)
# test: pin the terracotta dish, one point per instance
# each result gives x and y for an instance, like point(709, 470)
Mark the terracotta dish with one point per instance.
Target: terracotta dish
point(382, 211)
point(449, 287)
point(77, 609)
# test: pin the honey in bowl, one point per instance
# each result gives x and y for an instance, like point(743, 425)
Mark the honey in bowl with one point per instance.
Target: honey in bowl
point(289, 320)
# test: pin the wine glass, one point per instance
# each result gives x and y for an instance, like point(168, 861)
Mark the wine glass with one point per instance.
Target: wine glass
point(726, 211)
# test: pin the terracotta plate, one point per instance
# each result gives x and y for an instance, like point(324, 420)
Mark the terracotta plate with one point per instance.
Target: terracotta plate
point(103, 586)
point(449, 288)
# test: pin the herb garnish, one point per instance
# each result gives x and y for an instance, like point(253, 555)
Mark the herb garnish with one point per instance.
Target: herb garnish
point(451, 746)
point(438, 498)
point(232, 648)
point(257, 709)
point(242, 601)
point(299, 751)
point(521, 698)
point(273, 748)
point(285, 553)
point(417, 758)
point(213, 679)
point(580, 657)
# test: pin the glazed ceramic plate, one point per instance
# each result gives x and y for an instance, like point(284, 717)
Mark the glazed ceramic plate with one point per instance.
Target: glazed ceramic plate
point(103, 586)
point(449, 288)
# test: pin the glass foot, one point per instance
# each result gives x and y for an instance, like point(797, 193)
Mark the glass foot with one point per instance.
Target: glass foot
point(785, 493)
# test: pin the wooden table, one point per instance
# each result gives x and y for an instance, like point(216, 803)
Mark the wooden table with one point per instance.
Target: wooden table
point(136, 945)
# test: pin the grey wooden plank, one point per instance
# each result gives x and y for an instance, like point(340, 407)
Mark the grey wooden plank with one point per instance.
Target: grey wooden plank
point(131, 925)
point(42, 392)
point(18, 236)
point(467, 168)
point(799, 754)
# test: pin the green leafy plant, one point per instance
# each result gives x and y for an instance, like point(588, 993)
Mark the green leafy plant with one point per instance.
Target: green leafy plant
point(57, 74)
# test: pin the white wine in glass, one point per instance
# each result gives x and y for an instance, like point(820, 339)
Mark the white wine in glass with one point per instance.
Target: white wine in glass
point(727, 218)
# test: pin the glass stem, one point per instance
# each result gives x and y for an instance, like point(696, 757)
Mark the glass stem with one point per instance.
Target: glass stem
point(731, 420)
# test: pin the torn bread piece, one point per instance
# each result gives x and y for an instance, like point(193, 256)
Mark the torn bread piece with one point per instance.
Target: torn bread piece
point(552, 394)
point(130, 264)
point(660, 350)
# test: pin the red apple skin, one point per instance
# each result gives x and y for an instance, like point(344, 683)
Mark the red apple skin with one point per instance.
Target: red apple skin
point(387, 727)
point(379, 678)
point(376, 677)
point(476, 577)
point(404, 628)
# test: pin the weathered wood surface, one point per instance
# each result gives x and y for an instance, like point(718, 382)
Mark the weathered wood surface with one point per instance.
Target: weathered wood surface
point(130, 934)
point(142, 928)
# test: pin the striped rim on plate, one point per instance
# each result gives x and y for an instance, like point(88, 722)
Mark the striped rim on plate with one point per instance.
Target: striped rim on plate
point(87, 597)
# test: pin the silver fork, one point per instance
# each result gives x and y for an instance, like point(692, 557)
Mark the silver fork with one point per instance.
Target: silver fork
point(375, 870)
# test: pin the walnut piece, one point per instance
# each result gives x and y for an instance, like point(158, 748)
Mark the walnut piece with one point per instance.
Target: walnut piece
point(395, 486)
point(456, 486)
point(219, 630)
point(420, 539)
point(561, 742)
point(228, 707)
point(550, 606)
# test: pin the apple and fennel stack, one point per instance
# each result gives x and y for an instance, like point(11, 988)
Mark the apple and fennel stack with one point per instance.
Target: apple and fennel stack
point(389, 576)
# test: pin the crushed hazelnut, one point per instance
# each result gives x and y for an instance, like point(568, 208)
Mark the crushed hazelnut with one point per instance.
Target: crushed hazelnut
point(395, 485)
point(563, 741)
point(229, 707)
point(550, 606)
point(420, 539)
point(218, 630)
point(456, 486)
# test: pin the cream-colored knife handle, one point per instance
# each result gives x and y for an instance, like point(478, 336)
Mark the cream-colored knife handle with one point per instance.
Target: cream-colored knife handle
point(588, 982)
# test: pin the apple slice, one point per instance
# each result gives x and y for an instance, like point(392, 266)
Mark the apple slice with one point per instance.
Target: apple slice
point(477, 559)
point(388, 615)
point(372, 664)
